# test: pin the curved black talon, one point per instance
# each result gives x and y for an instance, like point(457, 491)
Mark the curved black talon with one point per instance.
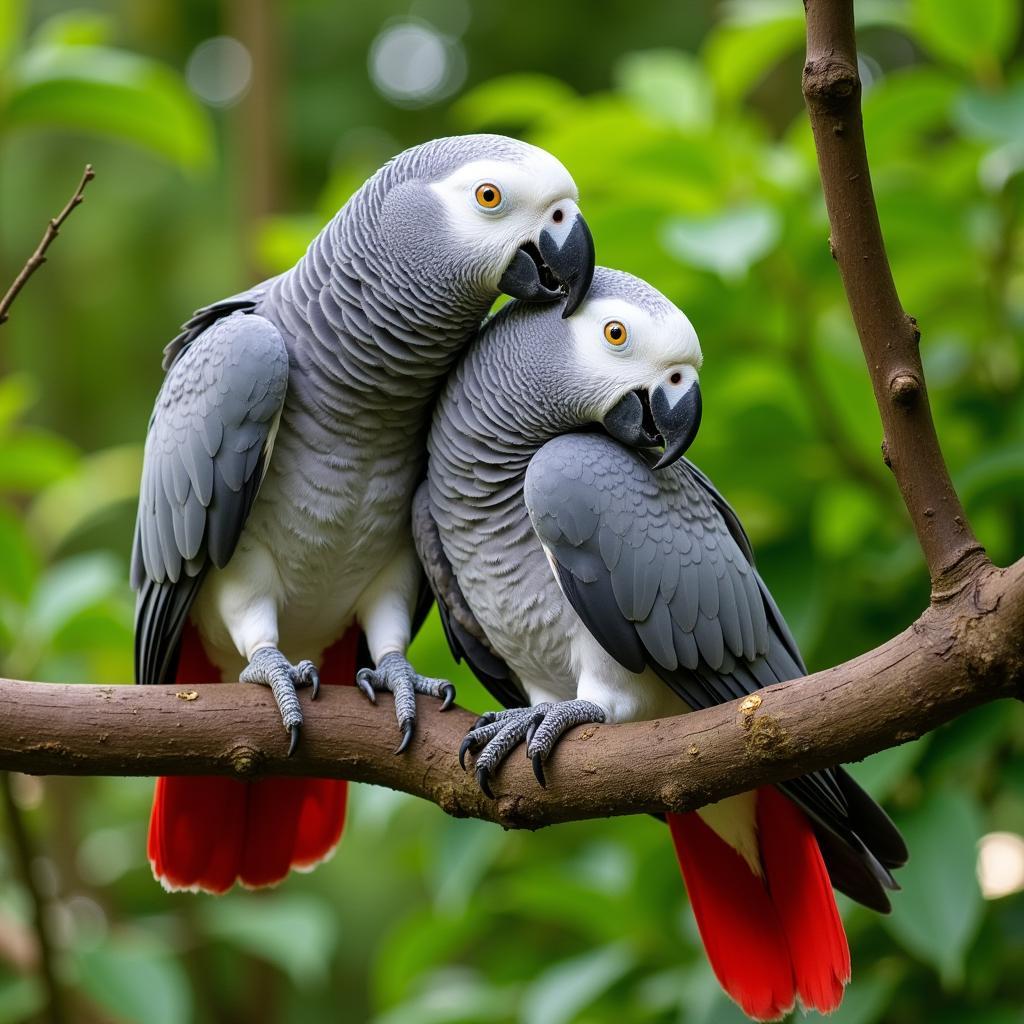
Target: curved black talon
point(530, 733)
point(294, 730)
point(406, 737)
point(315, 685)
point(538, 770)
point(483, 780)
point(449, 696)
point(463, 750)
point(363, 682)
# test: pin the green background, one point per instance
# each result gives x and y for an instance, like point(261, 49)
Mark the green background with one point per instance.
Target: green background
point(683, 126)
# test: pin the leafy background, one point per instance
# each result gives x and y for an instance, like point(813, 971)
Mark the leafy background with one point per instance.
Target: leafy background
point(683, 126)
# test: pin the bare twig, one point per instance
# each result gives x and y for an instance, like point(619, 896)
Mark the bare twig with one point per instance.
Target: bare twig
point(888, 335)
point(38, 258)
point(25, 857)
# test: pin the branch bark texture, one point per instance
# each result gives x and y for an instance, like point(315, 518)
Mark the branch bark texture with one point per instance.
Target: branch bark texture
point(888, 335)
point(956, 656)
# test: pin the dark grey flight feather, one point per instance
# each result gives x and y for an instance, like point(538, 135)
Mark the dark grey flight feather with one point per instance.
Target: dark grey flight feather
point(660, 571)
point(205, 456)
point(466, 637)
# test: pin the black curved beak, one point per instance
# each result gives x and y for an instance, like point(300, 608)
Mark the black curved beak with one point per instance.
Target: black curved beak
point(677, 424)
point(548, 269)
point(644, 419)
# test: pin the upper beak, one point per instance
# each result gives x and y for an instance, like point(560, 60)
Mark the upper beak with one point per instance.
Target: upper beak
point(560, 262)
point(668, 414)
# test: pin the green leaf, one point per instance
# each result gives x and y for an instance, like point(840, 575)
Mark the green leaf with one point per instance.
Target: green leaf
point(298, 934)
point(844, 517)
point(12, 15)
point(995, 116)
point(136, 982)
point(880, 773)
point(517, 101)
point(738, 56)
point(667, 84)
point(21, 998)
point(20, 565)
point(562, 991)
point(728, 244)
point(938, 912)
point(973, 34)
point(31, 459)
point(113, 93)
point(75, 28)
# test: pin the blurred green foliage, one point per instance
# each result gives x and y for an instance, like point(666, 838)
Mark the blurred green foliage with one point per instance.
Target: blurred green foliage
point(684, 128)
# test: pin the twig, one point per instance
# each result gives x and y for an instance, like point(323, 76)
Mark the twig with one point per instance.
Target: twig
point(38, 258)
point(25, 857)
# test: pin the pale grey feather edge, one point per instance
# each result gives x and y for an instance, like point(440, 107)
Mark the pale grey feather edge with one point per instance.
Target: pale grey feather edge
point(466, 637)
point(204, 461)
point(580, 487)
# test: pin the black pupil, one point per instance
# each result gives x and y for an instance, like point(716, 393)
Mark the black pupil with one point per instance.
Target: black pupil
point(488, 195)
point(616, 333)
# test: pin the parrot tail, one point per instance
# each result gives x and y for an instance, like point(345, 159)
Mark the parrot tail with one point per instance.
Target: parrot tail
point(206, 833)
point(774, 940)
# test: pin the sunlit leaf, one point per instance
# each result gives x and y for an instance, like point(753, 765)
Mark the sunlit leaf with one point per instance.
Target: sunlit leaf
point(739, 56)
point(728, 244)
point(562, 991)
point(31, 459)
point(937, 913)
point(112, 92)
point(72, 586)
point(668, 84)
point(78, 27)
point(17, 393)
point(516, 101)
point(12, 13)
point(973, 34)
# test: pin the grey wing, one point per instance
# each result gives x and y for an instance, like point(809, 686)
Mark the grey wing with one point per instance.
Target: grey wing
point(206, 452)
point(658, 568)
point(466, 637)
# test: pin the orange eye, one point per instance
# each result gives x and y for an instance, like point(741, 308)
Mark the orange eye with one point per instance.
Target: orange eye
point(615, 333)
point(488, 196)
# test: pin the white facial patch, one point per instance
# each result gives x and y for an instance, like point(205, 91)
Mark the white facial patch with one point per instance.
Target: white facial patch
point(536, 193)
point(661, 348)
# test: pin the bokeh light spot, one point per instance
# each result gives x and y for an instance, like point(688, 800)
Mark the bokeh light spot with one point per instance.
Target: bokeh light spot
point(413, 64)
point(219, 71)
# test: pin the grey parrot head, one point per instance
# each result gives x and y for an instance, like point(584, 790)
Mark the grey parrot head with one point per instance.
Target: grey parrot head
point(485, 214)
point(626, 361)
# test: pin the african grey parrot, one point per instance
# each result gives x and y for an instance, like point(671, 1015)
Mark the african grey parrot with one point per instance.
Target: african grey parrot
point(281, 460)
point(585, 579)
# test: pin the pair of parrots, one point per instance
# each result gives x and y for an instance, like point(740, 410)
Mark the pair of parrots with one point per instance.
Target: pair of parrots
point(337, 446)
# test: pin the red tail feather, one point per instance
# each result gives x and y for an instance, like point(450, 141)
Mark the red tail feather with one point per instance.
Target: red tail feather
point(770, 941)
point(207, 833)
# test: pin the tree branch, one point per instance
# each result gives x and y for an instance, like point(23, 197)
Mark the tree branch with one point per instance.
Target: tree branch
point(38, 258)
point(888, 336)
point(964, 651)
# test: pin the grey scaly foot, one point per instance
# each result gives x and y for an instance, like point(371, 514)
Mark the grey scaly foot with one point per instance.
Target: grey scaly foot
point(269, 667)
point(395, 675)
point(540, 726)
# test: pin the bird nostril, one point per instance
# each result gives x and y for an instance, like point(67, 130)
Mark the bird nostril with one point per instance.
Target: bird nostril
point(676, 378)
point(557, 216)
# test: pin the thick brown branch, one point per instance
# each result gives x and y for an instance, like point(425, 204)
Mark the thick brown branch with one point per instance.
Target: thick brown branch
point(888, 335)
point(38, 258)
point(962, 652)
